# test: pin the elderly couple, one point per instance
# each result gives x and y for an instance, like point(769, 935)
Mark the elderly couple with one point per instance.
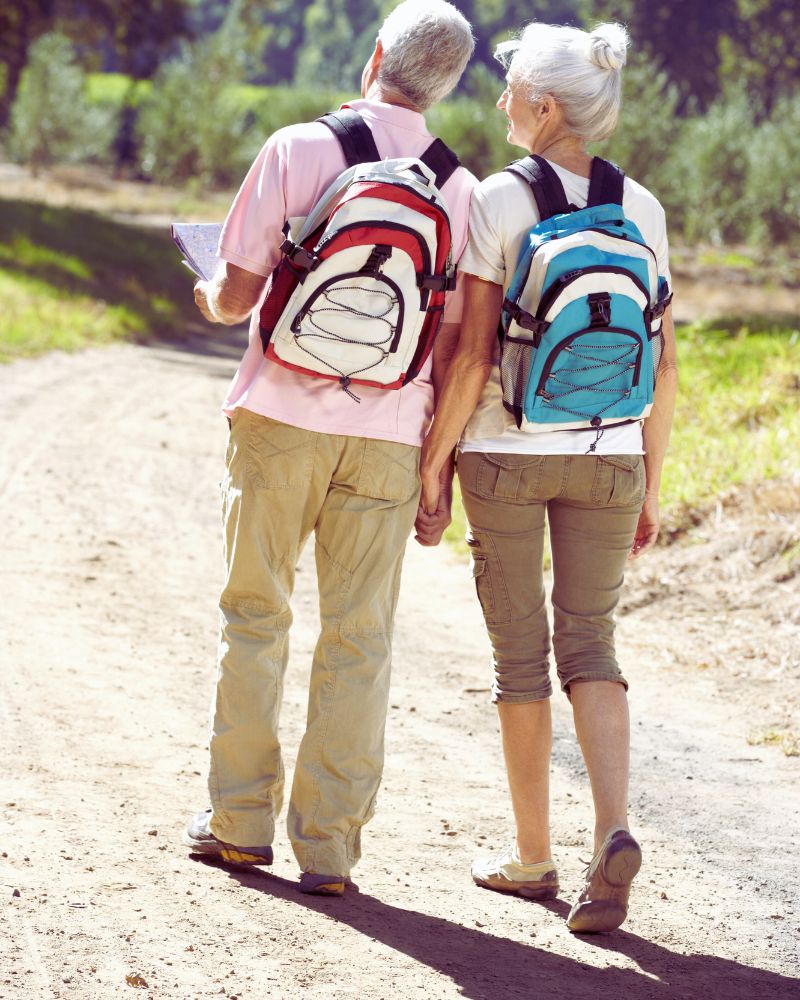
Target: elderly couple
point(303, 457)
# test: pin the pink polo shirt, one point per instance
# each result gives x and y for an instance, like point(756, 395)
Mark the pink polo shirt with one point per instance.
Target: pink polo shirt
point(288, 176)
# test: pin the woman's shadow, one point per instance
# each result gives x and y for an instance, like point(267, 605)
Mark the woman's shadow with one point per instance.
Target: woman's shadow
point(486, 966)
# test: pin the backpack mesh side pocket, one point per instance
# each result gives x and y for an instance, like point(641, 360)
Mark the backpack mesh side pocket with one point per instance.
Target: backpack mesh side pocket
point(657, 345)
point(515, 366)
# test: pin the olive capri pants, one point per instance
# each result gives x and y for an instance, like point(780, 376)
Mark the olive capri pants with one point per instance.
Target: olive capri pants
point(592, 504)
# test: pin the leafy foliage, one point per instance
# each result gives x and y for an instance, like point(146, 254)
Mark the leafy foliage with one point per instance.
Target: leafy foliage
point(51, 119)
point(190, 126)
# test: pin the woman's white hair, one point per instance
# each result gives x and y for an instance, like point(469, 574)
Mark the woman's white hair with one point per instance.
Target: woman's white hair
point(426, 47)
point(581, 70)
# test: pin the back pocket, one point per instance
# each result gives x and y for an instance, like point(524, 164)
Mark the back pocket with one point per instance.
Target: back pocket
point(279, 456)
point(389, 471)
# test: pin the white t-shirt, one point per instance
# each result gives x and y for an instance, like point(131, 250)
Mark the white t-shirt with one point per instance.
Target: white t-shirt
point(502, 212)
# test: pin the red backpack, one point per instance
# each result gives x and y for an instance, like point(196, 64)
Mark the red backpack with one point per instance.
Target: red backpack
point(358, 296)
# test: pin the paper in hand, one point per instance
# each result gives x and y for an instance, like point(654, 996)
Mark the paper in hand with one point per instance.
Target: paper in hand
point(198, 243)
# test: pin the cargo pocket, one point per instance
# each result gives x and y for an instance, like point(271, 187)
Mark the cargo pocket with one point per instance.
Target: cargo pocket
point(618, 481)
point(483, 585)
point(279, 456)
point(389, 471)
point(513, 478)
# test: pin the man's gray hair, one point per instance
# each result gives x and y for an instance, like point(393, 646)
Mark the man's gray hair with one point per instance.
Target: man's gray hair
point(581, 69)
point(426, 47)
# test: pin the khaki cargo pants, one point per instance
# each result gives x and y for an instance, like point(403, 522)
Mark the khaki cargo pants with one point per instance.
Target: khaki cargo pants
point(359, 496)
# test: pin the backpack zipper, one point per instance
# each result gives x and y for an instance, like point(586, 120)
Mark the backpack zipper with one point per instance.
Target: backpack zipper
point(558, 286)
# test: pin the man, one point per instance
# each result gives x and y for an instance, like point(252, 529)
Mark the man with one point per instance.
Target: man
point(304, 456)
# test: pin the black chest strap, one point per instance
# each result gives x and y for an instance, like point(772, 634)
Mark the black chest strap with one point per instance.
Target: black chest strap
point(358, 146)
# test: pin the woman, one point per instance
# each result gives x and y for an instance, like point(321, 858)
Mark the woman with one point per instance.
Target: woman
point(598, 491)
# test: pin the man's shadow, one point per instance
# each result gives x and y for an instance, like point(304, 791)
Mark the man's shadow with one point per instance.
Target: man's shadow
point(486, 966)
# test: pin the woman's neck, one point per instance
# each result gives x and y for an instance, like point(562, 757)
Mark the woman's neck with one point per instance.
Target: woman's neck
point(567, 151)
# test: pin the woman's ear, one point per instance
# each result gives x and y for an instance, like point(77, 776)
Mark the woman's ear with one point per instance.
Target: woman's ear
point(546, 108)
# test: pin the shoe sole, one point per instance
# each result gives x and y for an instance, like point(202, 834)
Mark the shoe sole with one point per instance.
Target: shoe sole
point(620, 866)
point(528, 890)
point(228, 853)
point(596, 916)
point(321, 885)
point(622, 861)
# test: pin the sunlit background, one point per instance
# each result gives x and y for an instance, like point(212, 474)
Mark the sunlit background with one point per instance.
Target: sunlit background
point(146, 112)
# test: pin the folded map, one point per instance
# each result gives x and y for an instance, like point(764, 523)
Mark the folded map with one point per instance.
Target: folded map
point(198, 243)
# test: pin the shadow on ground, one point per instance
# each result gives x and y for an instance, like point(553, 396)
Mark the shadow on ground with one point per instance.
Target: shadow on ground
point(485, 966)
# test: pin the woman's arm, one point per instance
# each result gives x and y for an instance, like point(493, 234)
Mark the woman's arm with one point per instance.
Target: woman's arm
point(466, 376)
point(657, 426)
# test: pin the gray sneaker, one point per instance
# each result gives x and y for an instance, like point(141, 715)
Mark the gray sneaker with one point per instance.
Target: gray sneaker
point(504, 873)
point(603, 902)
point(198, 837)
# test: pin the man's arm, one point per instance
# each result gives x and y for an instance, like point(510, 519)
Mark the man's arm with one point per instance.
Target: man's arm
point(230, 296)
point(656, 432)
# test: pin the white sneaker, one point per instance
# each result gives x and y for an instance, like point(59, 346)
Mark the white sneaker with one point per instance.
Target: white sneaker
point(505, 873)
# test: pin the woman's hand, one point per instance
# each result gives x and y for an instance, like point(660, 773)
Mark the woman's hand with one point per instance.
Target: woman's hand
point(436, 501)
point(648, 526)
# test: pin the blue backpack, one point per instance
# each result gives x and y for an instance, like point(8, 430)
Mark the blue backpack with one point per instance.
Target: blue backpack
point(581, 325)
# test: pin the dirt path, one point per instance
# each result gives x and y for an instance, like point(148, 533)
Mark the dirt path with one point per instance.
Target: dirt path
point(110, 568)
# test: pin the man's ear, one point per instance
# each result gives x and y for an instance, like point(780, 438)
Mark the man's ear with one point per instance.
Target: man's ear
point(370, 74)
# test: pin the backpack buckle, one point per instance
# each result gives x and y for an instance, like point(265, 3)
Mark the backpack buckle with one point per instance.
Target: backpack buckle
point(599, 309)
point(538, 327)
point(377, 259)
point(300, 256)
point(437, 282)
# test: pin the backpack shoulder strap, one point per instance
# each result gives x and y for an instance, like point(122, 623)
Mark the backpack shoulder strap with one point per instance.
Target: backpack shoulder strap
point(354, 136)
point(606, 183)
point(441, 160)
point(545, 184)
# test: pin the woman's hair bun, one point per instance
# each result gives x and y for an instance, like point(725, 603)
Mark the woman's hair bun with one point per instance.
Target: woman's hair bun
point(607, 46)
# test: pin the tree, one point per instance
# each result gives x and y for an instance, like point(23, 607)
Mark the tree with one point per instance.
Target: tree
point(683, 37)
point(129, 35)
point(51, 119)
point(20, 22)
point(192, 126)
point(338, 38)
point(763, 51)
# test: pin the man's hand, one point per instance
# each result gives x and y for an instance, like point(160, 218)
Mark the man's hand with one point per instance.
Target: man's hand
point(430, 527)
point(647, 528)
point(435, 504)
point(201, 290)
point(230, 296)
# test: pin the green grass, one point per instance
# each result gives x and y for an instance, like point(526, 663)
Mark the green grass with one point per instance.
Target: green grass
point(737, 420)
point(72, 278)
